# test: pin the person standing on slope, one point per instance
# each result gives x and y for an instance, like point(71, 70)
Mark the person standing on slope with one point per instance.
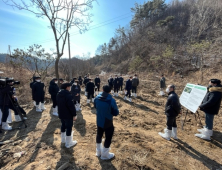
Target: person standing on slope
point(53, 90)
point(128, 88)
point(110, 82)
point(116, 86)
point(97, 84)
point(162, 84)
point(172, 109)
point(121, 84)
point(90, 87)
point(210, 106)
point(67, 114)
point(33, 78)
point(135, 84)
point(106, 108)
point(76, 91)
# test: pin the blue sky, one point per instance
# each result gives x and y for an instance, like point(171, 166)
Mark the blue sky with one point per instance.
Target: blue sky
point(19, 29)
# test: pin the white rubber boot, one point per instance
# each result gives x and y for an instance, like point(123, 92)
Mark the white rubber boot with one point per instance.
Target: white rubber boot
point(174, 133)
point(43, 106)
point(63, 137)
point(5, 126)
point(70, 142)
point(93, 100)
point(34, 103)
point(105, 154)
point(88, 101)
point(117, 95)
point(99, 149)
point(77, 108)
point(38, 109)
point(135, 95)
point(205, 134)
point(125, 98)
point(86, 93)
point(132, 94)
point(18, 118)
point(201, 131)
point(166, 135)
point(130, 100)
point(54, 112)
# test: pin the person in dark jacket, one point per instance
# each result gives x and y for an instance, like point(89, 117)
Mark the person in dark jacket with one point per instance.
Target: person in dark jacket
point(97, 84)
point(86, 80)
point(76, 91)
point(80, 80)
point(135, 84)
point(210, 106)
point(128, 89)
point(38, 94)
point(110, 82)
point(121, 84)
point(33, 81)
point(53, 90)
point(116, 85)
point(90, 86)
point(162, 85)
point(73, 80)
point(106, 108)
point(172, 109)
point(67, 114)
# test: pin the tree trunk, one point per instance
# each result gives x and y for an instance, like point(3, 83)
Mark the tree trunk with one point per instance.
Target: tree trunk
point(57, 69)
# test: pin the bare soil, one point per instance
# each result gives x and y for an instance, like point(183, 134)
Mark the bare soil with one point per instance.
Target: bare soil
point(136, 142)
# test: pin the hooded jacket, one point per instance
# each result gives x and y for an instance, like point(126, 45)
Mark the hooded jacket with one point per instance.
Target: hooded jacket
point(106, 108)
point(53, 89)
point(172, 107)
point(66, 109)
point(76, 90)
point(212, 100)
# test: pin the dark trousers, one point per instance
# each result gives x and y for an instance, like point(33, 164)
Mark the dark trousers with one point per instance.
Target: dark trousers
point(38, 101)
point(209, 119)
point(5, 112)
point(171, 122)
point(75, 102)
point(90, 94)
point(108, 134)
point(134, 89)
point(116, 89)
point(98, 87)
point(67, 126)
point(128, 93)
point(17, 109)
point(121, 87)
point(54, 103)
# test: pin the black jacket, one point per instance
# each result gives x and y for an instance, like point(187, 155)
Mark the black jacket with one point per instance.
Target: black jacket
point(116, 82)
point(31, 84)
point(80, 80)
point(66, 109)
point(38, 91)
point(53, 89)
point(128, 85)
point(110, 82)
point(74, 91)
point(121, 81)
point(4, 95)
point(90, 86)
point(212, 100)
point(162, 82)
point(97, 81)
point(86, 80)
point(172, 107)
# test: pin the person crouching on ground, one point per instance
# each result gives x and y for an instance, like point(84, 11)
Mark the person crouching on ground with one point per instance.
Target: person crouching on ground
point(67, 114)
point(172, 109)
point(76, 90)
point(106, 108)
point(210, 106)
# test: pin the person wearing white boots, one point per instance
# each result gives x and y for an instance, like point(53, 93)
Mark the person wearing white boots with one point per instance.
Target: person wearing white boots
point(128, 89)
point(106, 108)
point(162, 85)
point(33, 81)
point(86, 80)
point(110, 83)
point(38, 94)
point(210, 106)
point(172, 109)
point(76, 91)
point(97, 82)
point(90, 87)
point(4, 105)
point(67, 114)
point(135, 84)
point(121, 84)
point(116, 86)
point(53, 91)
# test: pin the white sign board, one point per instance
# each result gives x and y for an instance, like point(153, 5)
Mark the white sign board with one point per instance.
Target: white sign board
point(192, 96)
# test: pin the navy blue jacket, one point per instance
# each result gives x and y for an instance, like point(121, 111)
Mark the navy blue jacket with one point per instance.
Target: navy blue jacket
point(80, 80)
point(106, 108)
point(38, 91)
point(110, 82)
point(53, 89)
point(212, 100)
point(90, 86)
point(121, 81)
point(4, 97)
point(74, 91)
point(128, 85)
point(97, 81)
point(116, 82)
point(66, 109)
point(172, 107)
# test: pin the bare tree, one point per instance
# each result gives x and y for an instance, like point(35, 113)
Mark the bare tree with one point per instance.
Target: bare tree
point(62, 15)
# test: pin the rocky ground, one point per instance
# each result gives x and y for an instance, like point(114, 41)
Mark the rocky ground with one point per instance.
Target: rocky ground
point(136, 142)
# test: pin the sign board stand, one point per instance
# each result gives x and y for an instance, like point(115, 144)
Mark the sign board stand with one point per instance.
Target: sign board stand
point(183, 121)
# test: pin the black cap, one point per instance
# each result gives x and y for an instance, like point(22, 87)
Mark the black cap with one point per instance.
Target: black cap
point(54, 79)
point(215, 81)
point(65, 85)
point(61, 79)
point(37, 77)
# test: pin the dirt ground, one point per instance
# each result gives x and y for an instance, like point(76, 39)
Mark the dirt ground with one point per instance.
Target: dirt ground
point(136, 143)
